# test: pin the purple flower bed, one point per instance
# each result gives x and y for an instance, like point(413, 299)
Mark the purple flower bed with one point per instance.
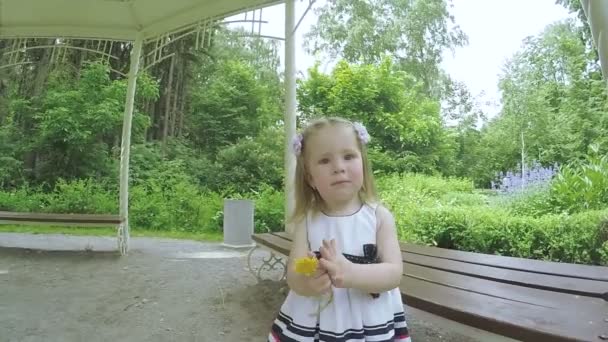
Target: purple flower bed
point(534, 176)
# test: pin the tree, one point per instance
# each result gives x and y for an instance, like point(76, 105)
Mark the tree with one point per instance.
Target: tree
point(414, 32)
point(553, 104)
point(405, 124)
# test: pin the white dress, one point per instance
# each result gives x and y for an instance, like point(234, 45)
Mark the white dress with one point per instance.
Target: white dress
point(353, 315)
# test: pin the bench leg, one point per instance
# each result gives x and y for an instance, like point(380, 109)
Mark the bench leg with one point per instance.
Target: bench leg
point(273, 262)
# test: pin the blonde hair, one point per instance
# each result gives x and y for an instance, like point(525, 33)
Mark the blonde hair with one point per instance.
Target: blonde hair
point(306, 198)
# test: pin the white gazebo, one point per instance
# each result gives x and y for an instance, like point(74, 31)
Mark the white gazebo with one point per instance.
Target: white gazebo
point(139, 22)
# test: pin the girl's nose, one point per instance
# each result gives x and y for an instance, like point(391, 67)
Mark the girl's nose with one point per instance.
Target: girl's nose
point(338, 168)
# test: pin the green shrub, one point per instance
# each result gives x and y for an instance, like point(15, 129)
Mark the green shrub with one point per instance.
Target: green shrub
point(269, 210)
point(534, 202)
point(250, 164)
point(179, 206)
point(428, 186)
point(85, 196)
point(169, 199)
point(582, 185)
point(566, 238)
point(23, 199)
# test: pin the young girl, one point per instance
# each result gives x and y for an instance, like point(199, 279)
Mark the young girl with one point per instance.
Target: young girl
point(353, 294)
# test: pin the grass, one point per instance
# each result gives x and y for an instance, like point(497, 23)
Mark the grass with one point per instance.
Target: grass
point(96, 231)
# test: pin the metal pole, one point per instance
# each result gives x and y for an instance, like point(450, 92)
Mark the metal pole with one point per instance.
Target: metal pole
point(123, 237)
point(290, 106)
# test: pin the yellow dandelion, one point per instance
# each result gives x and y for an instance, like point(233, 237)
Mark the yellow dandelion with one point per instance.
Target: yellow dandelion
point(306, 265)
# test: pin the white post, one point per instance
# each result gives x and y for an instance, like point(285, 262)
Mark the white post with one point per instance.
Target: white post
point(290, 106)
point(523, 161)
point(123, 238)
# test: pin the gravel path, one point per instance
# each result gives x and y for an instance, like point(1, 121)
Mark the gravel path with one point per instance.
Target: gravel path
point(165, 290)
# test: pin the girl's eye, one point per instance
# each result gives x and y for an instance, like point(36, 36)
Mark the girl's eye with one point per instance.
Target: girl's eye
point(324, 161)
point(349, 156)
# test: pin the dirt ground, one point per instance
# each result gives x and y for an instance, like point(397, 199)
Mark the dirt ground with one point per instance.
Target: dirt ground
point(165, 290)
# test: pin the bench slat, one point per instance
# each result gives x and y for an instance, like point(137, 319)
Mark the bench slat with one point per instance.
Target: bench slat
point(520, 264)
point(87, 219)
point(536, 267)
point(583, 287)
point(504, 317)
point(274, 242)
point(531, 296)
point(452, 274)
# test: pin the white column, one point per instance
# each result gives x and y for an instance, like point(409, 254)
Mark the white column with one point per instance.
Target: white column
point(126, 140)
point(597, 17)
point(290, 105)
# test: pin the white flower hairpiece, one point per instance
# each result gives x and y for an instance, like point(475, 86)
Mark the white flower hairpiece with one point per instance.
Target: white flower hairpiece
point(362, 133)
point(296, 144)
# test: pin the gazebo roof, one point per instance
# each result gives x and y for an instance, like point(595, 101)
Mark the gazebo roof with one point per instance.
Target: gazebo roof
point(112, 19)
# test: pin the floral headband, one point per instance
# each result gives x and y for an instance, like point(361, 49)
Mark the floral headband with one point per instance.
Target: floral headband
point(364, 137)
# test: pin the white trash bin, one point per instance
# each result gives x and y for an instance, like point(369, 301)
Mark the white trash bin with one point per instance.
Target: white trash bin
point(238, 223)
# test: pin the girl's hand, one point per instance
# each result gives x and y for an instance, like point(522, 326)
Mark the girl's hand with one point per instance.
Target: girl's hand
point(335, 263)
point(319, 283)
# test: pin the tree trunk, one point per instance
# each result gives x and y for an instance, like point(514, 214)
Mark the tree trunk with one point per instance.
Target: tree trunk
point(43, 68)
point(168, 96)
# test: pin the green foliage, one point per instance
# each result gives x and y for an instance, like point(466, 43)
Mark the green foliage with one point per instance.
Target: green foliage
point(174, 206)
point(269, 210)
point(449, 213)
point(70, 130)
point(85, 196)
point(400, 118)
point(11, 168)
point(495, 231)
point(229, 105)
point(578, 187)
point(416, 33)
point(581, 186)
point(534, 202)
point(23, 199)
point(554, 98)
point(428, 186)
point(242, 167)
point(406, 194)
point(250, 163)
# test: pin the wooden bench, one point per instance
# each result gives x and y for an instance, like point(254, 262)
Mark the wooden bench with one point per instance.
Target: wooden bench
point(80, 220)
point(527, 300)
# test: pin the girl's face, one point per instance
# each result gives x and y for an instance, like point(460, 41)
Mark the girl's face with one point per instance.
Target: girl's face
point(334, 164)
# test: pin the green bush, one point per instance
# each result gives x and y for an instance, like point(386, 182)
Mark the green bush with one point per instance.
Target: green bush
point(250, 164)
point(179, 206)
point(23, 199)
point(534, 202)
point(578, 187)
point(578, 238)
point(269, 210)
point(582, 185)
point(85, 196)
point(428, 186)
point(169, 199)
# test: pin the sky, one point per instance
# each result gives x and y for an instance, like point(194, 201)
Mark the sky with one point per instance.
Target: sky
point(496, 29)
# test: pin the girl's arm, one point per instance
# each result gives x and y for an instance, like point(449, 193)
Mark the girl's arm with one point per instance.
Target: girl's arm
point(373, 278)
point(305, 286)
